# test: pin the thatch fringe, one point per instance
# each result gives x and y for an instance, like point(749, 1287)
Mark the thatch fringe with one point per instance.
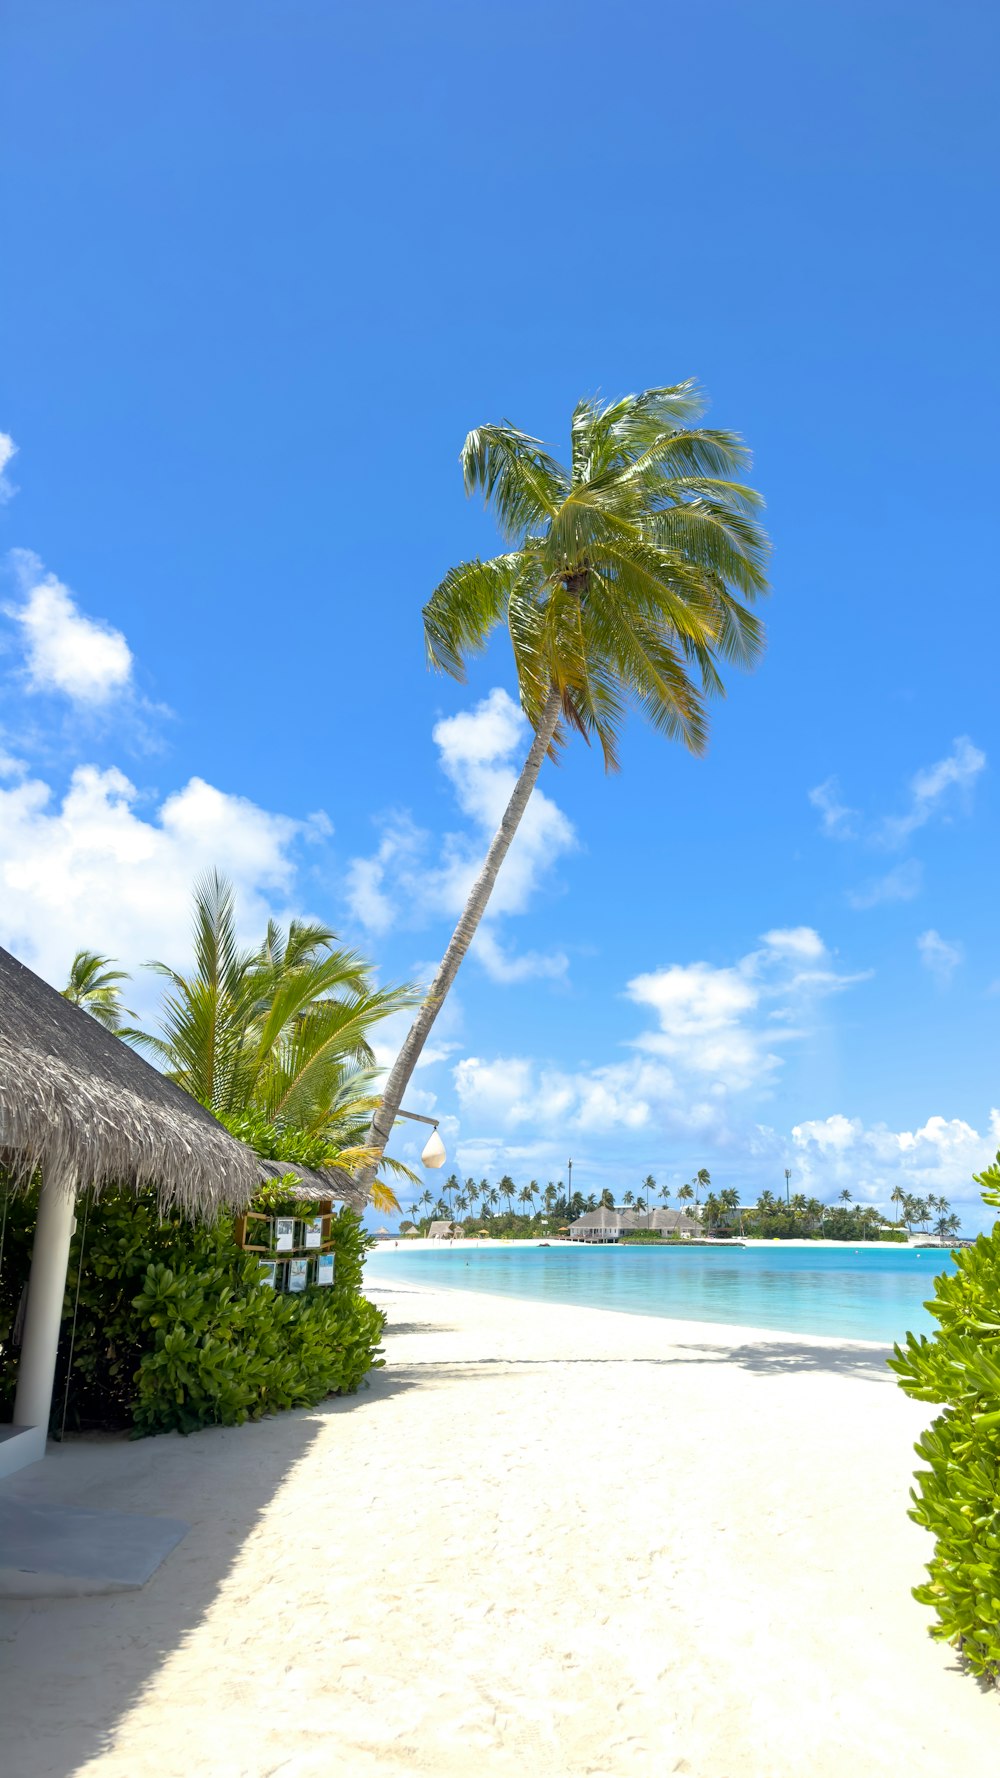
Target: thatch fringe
point(73, 1097)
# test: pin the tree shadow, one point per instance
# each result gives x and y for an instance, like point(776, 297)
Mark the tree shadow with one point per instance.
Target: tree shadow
point(60, 1712)
point(762, 1358)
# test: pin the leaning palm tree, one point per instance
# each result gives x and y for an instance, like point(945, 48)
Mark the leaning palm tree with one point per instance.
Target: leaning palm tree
point(685, 1194)
point(627, 583)
point(94, 986)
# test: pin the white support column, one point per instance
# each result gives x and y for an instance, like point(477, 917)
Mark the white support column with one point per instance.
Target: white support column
point(36, 1369)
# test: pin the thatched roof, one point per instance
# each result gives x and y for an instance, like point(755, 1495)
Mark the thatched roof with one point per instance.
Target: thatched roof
point(72, 1095)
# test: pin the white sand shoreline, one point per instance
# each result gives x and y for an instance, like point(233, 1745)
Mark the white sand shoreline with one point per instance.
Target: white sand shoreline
point(546, 1540)
point(427, 1244)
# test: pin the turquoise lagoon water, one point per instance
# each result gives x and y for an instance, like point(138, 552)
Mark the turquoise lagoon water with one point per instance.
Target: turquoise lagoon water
point(854, 1293)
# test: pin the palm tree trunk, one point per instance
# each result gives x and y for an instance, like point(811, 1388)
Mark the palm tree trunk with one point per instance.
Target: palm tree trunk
point(461, 938)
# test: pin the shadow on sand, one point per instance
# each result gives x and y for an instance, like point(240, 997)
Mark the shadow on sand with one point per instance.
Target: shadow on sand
point(763, 1357)
point(58, 1712)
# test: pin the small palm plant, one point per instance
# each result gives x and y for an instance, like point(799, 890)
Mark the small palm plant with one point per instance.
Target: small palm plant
point(280, 1031)
point(627, 583)
point(95, 986)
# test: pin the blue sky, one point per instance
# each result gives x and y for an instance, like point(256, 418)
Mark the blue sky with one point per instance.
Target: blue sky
point(267, 264)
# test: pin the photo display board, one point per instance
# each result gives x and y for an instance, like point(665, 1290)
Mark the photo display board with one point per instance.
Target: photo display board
point(295, 1251)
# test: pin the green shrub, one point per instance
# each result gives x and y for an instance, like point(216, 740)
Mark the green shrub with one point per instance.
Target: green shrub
point(174, 1330)
point(958, 1496)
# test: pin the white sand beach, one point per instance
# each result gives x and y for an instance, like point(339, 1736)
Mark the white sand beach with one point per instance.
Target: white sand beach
point(544, 1541)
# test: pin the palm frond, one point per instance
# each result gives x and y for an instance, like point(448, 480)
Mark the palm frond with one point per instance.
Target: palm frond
point(518, 478)
point(467, 605)
point(94, 986)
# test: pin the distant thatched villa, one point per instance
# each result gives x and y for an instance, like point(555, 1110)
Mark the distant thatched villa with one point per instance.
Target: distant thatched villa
point(606, 1225)
point(445, 1231)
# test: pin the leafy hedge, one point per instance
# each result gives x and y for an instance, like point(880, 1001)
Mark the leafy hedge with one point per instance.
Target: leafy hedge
point(174, 1330)
point(958, 1495)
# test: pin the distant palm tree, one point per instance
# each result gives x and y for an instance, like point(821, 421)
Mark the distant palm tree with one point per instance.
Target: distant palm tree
point(665, 1193)
point(628, 1199)
point(898, 1197)
point(526, 1196)
point(94, 986)
point(685, 1194)
point(947, 1227)
point(702, 1181)
point(628, 582)
point(450, 1187)
point(846, 1197)
point(549, 1195)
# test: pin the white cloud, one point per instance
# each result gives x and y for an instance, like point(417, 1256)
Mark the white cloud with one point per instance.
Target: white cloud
point(902, 883)
point(411, 880)
point(933, 790)
point(941, 956)
point(10, 765)
point(371, 884)
point(940, 1156)
point(720, 1024)
point(95, 871)
point(503, 965)
point(796, 941)
point(66, 651)
point(8, 449)
point(516, 1093)
point(838, 819)
point(715, 1038)
point(930, 788)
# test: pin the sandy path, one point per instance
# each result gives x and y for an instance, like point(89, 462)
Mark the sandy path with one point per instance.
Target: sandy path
point(547, 1541)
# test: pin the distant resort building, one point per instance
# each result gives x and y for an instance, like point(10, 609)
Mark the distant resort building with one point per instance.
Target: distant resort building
point(606, 1225)
point(444, 1231)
